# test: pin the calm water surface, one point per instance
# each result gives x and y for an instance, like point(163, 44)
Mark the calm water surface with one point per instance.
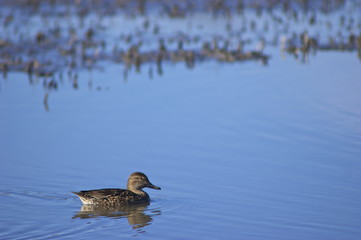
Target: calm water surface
point(241, 151)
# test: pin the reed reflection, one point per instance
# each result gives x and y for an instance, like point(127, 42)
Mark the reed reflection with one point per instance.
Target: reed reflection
point(56, 50)
point(71, 46)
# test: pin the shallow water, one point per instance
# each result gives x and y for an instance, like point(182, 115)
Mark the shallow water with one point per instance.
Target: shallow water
point(241, 150)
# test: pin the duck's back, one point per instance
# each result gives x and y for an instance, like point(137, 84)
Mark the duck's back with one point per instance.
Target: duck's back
point(111, 196)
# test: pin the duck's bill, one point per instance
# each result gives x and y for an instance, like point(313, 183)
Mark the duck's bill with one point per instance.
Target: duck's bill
point(153, 186)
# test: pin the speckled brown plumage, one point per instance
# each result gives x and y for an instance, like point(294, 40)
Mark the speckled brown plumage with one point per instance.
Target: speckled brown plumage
point(111, 196)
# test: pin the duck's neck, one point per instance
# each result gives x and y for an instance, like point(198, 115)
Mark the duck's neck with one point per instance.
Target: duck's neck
point(137, 191)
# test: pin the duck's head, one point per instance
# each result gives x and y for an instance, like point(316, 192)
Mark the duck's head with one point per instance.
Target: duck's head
point(138, 180)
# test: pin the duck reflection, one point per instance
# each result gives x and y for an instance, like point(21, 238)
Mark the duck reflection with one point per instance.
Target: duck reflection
point(136, 215)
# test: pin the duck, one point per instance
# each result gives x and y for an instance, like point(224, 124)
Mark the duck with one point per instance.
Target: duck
point(115, 196)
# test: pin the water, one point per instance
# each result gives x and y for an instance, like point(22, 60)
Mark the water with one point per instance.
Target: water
point(240, 150)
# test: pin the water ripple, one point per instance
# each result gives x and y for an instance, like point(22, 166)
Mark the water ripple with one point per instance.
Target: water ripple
point(61, 218)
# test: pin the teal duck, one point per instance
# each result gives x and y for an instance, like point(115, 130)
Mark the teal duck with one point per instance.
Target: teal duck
point(114, 196)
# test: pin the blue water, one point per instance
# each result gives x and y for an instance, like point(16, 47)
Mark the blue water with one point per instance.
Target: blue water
point(241, 151)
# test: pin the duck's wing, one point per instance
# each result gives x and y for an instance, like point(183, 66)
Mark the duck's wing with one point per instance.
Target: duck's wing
point(100, 193)
point(111, 196)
